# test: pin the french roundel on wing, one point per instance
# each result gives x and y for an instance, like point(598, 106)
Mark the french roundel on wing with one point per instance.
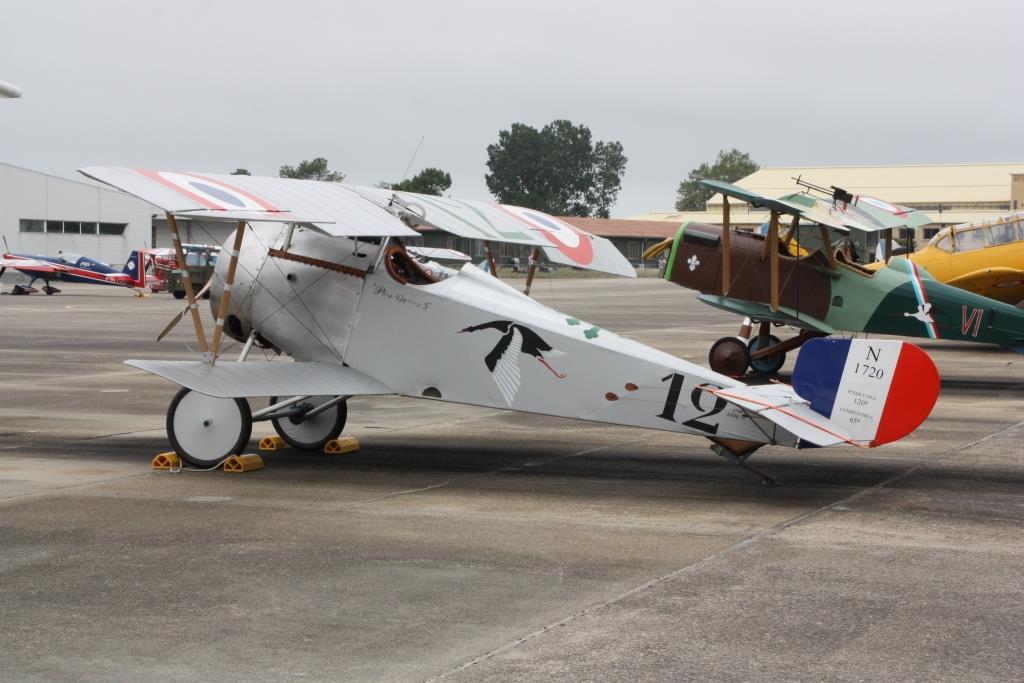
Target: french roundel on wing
point(570, 241)
point(881, 204)
point(208, 192)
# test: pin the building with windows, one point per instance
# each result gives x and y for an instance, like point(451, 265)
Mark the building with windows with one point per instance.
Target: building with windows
point(45, 214)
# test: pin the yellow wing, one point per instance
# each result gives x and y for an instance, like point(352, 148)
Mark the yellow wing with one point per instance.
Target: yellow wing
point(1002, 284)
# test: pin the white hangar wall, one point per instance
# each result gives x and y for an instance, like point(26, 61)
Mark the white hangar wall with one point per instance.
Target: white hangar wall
point(43, 214)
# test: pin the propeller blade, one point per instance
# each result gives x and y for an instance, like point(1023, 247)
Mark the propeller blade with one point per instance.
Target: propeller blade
point(181, 316)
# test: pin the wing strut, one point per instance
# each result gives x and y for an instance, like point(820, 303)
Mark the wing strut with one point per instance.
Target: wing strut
point(771, 247)
point(490, 258)
point(726, 255)
point(197, 321)
point(225, 299)
point(534, 258)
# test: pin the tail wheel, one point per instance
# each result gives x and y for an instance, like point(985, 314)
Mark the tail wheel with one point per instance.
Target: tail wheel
point(728, 356)
point(312, 433)
point(768, 365)
point(204, 429)
point(179, 294)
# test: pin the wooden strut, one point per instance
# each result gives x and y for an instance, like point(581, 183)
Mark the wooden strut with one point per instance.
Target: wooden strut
point(726, 254)
point(827, 246)
point(225, 298)
point(186, 279)
point(888, 244)
point(318, 263)
point(534, 258)
point(490, 258)
point(771, 246)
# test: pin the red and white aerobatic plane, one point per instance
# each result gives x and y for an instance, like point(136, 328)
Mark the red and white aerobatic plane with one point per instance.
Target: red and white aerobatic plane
point(319, 272)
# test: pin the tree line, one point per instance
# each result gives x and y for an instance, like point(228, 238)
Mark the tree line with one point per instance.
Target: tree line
point(559, 169)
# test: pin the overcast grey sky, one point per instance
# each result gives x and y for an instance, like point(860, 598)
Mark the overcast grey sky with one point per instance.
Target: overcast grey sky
point(211, 85)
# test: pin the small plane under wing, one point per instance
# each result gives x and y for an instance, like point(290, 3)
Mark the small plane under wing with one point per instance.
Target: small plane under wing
point(238, 380)
point(67, 267)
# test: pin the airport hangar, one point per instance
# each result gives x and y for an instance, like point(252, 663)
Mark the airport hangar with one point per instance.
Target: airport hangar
point(949, 193)
point(44, 214)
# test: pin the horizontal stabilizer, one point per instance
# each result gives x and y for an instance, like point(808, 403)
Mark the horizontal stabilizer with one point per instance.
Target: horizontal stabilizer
point(783, 406)
point(229, 379)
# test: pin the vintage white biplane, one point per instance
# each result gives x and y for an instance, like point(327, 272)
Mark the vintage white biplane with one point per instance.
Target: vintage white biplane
point(320, 272)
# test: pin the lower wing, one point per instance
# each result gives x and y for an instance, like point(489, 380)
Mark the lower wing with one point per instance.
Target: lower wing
point(229, 379)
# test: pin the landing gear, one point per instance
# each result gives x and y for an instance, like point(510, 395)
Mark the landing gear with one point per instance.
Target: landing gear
point(50, 290)
point(766, 365)
point(729, 356)
point(311, 422)
point(179, 293)
point(204, 430)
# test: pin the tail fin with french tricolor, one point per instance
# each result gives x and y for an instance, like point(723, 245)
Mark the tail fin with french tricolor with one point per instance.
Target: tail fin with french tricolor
point(863, 392)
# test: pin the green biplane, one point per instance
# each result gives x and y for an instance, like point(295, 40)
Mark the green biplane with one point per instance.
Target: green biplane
point(796, 275)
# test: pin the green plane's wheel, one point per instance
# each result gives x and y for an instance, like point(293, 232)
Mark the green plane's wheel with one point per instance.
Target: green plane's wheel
point(204, 430)
point(312, 433)
point(728, 356)
point(768, 365)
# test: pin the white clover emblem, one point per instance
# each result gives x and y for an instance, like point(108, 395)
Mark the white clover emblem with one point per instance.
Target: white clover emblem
point(693, 262)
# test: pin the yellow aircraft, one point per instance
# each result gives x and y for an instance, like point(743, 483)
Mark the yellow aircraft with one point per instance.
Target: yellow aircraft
point(985, 258)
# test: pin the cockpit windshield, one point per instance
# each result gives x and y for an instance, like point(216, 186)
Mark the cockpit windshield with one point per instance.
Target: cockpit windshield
point(70, 259)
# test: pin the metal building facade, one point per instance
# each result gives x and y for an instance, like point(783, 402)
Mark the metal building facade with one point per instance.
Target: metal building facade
point(44, 214)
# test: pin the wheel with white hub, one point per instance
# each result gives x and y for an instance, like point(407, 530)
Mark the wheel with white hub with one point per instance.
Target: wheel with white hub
point(204, 429)
point(311, 433)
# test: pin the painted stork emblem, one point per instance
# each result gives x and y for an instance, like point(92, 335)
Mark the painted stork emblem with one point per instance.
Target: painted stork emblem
point(503, 359)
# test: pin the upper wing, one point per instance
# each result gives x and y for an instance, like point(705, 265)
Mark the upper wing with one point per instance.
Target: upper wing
point(1002, 284)
point(561, 242)
point(784, 316)
point(241, 380)
point(865, 214)
point(333, 208)
point(356, 211)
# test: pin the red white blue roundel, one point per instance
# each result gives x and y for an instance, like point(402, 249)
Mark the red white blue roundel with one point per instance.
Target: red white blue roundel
point(570, 241)
point(881, 204)
point(208, 192)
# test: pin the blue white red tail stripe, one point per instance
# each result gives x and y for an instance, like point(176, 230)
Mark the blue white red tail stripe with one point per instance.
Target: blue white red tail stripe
point(922, 298)
point(877, 391)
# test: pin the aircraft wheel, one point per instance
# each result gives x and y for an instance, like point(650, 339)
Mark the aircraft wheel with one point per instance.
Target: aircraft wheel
point(728, 356)
point(204, 429)
point(179, 294)
point(770, 364)
point(313, 433)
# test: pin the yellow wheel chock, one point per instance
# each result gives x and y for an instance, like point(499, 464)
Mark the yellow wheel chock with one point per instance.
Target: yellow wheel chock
point(243, 463)
point(345, 444)
point(166, 461)
point(273, 443)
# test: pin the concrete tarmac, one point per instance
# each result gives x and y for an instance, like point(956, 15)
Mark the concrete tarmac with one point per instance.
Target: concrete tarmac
point(474, 544)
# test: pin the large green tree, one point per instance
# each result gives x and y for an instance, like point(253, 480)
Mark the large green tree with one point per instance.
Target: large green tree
point(428, 181)
point(728, 167)
point(557, 169)
point(315, 169)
